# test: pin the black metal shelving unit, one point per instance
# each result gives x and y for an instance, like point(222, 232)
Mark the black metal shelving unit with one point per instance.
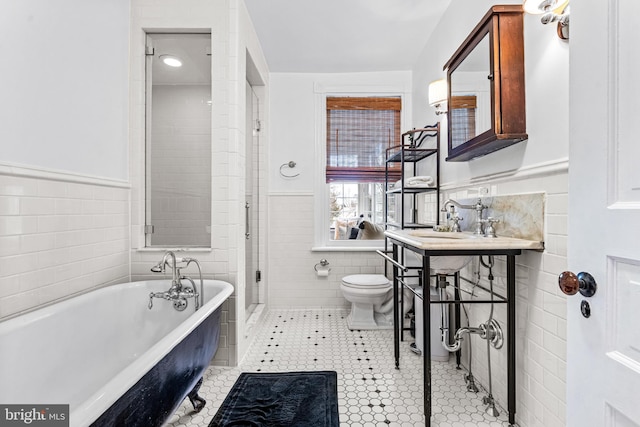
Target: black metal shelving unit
point(417, 145)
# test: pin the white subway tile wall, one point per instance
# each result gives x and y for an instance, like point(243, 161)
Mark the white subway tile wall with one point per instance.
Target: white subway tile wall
point(293, 281)
point(541, 311)
point(59, 238)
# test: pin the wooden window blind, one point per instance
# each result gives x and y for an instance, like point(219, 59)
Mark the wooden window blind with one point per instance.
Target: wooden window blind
point(359, 131)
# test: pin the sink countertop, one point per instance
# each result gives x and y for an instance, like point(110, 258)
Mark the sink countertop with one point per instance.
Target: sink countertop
point(437, 240)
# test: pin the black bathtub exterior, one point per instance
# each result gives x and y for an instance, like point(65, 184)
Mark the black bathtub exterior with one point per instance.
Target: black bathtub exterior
point(156, 396)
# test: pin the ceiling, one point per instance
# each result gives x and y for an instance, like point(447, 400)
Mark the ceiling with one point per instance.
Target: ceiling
point(333, 36)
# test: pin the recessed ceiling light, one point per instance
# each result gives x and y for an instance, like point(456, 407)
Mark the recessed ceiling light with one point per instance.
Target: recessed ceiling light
point(171, 61)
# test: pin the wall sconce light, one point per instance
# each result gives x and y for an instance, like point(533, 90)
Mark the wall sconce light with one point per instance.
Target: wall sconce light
point(551, 11)
point(438, 95)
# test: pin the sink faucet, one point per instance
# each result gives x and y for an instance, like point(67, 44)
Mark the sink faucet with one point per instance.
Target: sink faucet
point(478, 207)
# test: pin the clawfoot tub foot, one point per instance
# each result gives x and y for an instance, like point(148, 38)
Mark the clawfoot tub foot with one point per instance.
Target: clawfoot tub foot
point(197, 401)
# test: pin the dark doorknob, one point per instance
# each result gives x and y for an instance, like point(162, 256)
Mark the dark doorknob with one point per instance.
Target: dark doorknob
point(570, 284)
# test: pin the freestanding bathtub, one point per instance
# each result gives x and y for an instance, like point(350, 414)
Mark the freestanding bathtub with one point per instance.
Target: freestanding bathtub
point(111, 358)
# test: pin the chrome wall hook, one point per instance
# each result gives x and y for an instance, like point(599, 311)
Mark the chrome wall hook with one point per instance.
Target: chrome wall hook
point(291, 164)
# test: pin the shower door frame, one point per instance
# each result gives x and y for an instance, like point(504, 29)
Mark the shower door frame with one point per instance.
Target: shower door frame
point(253, 202)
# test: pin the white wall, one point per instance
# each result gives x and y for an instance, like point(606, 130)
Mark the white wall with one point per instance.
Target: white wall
point(65, 85)
point(64, 199)
point(539, 164)
point(294, 118)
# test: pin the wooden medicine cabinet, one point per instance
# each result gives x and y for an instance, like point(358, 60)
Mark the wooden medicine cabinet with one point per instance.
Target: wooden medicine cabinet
point(486, 100)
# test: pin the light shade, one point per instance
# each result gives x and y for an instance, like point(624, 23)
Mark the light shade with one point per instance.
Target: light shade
point(438, 92)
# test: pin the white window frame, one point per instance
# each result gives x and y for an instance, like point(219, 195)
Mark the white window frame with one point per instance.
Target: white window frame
point(322, 242)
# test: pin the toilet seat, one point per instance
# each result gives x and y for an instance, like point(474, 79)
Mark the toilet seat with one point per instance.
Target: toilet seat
point(366, 281)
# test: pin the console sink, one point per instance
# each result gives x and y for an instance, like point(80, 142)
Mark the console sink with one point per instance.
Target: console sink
point(430, 240)
point(444, 241)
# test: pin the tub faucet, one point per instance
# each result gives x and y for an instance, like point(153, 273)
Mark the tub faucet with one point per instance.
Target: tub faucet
point(478, 207)
point(177, 293)
point(161, 268)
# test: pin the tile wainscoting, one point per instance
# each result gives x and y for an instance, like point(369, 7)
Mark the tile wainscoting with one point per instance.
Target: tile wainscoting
point(60, 235)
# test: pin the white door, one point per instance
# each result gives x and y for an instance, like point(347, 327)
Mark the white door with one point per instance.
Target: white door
point(603, 351)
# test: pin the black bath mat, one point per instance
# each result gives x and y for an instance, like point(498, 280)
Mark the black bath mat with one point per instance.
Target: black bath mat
point(282, 399)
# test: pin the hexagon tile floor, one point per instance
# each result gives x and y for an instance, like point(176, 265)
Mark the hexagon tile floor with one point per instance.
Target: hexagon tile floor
point(371, 392)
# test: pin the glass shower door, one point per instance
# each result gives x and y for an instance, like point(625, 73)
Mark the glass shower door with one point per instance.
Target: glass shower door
point(252, 202)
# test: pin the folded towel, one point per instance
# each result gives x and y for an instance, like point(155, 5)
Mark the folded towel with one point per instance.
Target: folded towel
point(416, 181)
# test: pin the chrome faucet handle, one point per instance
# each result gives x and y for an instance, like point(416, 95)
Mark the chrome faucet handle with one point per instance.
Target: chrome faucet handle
point(456, 224)
point(490, 231)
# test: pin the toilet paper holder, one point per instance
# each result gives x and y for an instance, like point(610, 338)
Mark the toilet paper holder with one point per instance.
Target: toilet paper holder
point(324, 263)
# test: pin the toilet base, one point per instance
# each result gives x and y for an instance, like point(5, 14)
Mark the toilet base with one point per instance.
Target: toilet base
point(363, 317)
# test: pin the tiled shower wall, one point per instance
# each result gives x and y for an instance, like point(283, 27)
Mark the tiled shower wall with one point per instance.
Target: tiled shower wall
point(181, 166)
point(59, 237)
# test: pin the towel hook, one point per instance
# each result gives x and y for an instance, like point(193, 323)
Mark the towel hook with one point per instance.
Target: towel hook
point(291, 164)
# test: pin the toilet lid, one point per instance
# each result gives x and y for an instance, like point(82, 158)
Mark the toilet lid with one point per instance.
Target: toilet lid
point(366, 281)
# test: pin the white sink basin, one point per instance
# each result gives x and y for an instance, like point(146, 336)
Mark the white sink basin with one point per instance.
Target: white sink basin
point(439, 264)
point(445, 264)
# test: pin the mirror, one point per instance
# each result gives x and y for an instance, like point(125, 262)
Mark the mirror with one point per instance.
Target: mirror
point(486, 86)
point(178, 140)
point(470, 104)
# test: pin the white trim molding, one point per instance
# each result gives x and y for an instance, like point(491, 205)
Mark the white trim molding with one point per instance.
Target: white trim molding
point(553, 167)
point(37, 172)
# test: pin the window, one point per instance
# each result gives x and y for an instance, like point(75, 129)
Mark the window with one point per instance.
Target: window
point(350, 203)
point(359, 131)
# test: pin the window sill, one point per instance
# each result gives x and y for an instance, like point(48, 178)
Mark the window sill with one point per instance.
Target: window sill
point(173, 249)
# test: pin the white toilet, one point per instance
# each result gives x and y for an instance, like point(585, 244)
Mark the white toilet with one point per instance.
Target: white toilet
point(371, 298)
